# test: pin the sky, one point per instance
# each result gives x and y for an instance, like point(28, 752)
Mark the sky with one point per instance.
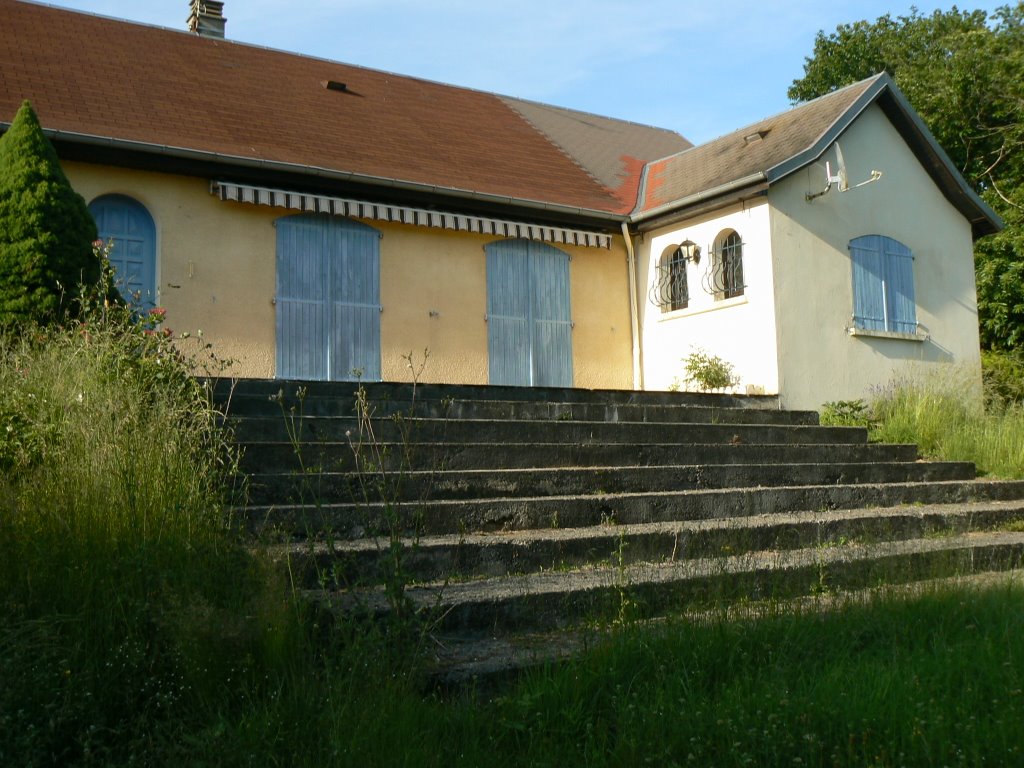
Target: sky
point(700, 68)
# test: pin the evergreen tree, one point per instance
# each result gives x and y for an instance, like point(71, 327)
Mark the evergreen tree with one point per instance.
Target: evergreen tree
point(46, 230)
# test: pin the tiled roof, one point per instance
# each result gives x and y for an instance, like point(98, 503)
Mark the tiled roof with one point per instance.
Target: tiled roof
point(769, 150)
point(111, 79)
point(747, 151)
point(614, 151)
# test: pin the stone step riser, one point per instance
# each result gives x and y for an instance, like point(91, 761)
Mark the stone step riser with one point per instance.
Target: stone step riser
point(520, 411)
point(547, 610)
point(334, 488)
point(366, 562)
point(339, 457)
point(434, 518)
point(305, 430)
point(287, 392)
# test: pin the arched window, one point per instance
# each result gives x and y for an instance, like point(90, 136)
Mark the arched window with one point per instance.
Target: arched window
point(128, 224)
point(727, 266)
point(671, 289)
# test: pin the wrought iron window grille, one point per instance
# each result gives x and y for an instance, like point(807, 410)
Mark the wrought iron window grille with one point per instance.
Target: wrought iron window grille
point(723, 277)
point(671, 290)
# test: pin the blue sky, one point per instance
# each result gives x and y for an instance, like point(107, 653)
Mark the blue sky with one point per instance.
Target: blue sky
point(699, 68)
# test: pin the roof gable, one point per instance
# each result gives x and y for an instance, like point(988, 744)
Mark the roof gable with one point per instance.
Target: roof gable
point(772, 149)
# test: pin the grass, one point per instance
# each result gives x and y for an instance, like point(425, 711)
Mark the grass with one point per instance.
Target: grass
point(930, 680)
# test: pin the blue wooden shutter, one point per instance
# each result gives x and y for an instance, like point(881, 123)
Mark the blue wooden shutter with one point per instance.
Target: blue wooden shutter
point(902, 309)
point(302, 299)
point(883, 284)
point(355, 293)
point(529, 331)
point(133, 257)
point(552, 323)
point(508, 313)
point(328, 299)
point(868, 276)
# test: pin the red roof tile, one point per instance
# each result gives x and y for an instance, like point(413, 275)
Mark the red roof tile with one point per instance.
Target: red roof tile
point(91, 75)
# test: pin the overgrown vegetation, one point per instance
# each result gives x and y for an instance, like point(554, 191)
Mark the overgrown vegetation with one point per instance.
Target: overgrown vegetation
point(126, 602)
point(944, 415)
point(137, 629)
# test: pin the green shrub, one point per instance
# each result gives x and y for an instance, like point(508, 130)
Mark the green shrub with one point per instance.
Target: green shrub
point(1003, 375)
point(708, 372)
point(46, 230)
point(846, 413)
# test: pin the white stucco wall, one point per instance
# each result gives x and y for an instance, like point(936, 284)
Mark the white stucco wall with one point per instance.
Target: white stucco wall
point(740, 330)
point(819, 360)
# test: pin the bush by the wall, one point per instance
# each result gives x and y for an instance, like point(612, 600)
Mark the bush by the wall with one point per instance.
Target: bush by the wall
point(1003, 375)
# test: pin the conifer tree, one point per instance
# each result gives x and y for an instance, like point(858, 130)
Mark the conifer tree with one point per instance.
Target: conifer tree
point(46, 230)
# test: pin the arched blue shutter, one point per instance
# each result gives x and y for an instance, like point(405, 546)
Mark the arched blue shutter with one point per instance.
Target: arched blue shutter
point(133, 257)
point(883, 284)
point(328, 299)
point(529, 331)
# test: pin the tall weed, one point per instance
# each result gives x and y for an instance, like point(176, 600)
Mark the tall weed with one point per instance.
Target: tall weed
point(118, 563)
point(940, 414)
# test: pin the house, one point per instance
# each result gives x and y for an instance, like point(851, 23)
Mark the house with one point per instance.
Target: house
point(319, 220)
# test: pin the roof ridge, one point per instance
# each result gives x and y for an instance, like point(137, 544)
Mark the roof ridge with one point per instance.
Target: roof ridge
point(586, 113)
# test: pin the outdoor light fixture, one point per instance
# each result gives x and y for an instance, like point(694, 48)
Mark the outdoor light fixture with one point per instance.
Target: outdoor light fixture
point(689, 251)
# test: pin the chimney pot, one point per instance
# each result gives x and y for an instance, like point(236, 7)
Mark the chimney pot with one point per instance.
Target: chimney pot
point(206, 18)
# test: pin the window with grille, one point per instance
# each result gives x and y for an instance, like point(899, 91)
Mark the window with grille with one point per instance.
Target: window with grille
point(671, 290)
point(728, 266)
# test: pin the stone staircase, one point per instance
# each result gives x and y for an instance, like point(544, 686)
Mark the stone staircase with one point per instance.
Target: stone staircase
point(522, 512)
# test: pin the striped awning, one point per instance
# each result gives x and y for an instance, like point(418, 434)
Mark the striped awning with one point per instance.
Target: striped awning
point(419, 217)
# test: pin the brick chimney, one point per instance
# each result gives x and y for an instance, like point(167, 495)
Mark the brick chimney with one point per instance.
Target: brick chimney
point(206, 18)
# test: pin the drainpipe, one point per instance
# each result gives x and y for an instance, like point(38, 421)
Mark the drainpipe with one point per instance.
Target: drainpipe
point(634, 311)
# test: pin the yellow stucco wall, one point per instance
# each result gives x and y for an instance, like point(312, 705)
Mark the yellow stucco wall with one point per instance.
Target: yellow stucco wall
point(215, 273)
point(819, 360)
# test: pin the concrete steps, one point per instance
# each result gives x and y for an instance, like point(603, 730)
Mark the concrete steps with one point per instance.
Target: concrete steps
point(357, 487)
point(512, 511)
point(562, 598)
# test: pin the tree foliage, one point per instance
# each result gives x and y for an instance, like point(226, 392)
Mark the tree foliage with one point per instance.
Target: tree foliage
point(46, 230)
point(963, 71)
